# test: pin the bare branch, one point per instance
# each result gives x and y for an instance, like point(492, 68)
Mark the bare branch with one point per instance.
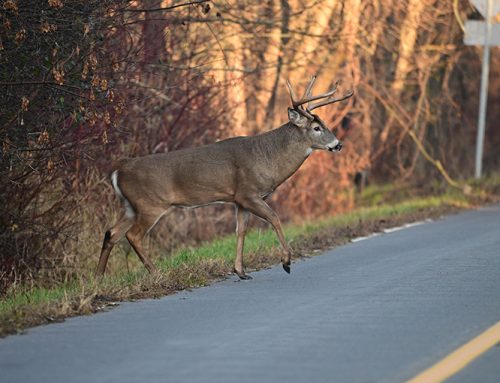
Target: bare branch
point(167, 9)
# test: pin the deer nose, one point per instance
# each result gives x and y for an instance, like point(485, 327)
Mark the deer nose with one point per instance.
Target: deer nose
point(338, 147)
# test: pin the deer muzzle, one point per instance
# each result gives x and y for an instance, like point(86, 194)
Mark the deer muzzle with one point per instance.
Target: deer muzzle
point(336, 148)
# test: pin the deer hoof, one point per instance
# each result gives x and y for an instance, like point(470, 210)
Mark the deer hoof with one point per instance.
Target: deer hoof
point(242, 275)
point(286, 267)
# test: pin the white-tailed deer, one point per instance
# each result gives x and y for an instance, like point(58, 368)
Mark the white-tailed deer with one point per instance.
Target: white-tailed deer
point(240, 170)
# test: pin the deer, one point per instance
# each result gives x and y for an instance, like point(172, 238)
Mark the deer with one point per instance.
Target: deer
point(243, 171)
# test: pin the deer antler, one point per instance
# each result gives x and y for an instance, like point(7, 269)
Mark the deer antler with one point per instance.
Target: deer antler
point(330, 101)
point(307, 98)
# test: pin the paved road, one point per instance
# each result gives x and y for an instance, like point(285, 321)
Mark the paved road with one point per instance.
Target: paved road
point(378, 310)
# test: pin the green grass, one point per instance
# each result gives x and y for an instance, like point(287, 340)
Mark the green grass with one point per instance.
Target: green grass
point(193, 267)
point(33, 297)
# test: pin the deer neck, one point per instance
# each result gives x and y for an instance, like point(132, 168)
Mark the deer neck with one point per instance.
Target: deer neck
point(284, 150)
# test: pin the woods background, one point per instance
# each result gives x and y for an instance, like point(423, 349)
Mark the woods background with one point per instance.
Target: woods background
point(83, 83)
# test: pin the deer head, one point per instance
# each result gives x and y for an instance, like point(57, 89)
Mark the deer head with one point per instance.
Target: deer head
point(314, 128)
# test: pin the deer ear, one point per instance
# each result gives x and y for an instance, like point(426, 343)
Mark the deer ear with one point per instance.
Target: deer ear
point(296, 118)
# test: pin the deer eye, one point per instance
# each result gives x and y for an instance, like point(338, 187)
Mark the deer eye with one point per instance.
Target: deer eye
point(316, 128)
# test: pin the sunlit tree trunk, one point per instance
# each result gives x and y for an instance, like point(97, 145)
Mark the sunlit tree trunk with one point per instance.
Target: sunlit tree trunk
point(408, 38)
point(267, 64)
point(235, 89)
point(313, 49)
point(279, 56)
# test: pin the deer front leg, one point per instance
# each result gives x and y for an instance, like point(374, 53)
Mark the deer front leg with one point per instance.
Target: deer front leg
point(241, 230)
point(260, 208)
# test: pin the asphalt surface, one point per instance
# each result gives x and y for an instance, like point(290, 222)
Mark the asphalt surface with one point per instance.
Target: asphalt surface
point(378, 310)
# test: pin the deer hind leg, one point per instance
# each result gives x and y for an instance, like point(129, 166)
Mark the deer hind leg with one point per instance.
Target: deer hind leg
point(241, 229)
point(143, 224)
point(112, 236)
point(260, 208)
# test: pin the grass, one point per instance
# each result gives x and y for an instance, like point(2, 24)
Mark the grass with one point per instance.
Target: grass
point(380, 207)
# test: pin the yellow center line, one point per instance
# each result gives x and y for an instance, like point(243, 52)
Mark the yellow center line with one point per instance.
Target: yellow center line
point(460, 358)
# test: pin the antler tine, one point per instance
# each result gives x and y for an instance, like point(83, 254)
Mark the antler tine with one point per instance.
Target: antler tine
point(330, 101)
point(292, 94)
point(307, 93)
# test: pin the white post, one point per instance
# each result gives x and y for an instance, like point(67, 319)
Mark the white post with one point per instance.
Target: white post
point(483, 100)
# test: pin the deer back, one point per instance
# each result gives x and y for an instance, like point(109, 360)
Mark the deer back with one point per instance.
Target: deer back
point(215, 172)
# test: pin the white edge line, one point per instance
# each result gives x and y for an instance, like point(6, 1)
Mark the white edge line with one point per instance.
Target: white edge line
point(391, 230)
point(363, 238)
